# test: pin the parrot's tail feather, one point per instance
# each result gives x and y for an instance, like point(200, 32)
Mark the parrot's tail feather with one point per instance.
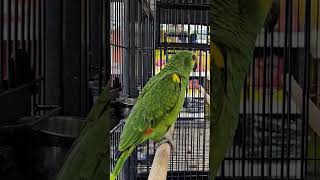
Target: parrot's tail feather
point(120, 162)
point(112, 177)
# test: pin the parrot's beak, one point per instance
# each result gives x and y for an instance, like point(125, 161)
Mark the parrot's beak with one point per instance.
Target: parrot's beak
point(195, 65)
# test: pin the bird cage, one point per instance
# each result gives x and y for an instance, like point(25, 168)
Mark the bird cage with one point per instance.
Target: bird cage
point(277, 136)
point(22, 39)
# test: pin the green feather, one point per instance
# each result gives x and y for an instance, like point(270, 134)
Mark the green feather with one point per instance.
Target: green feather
point(235, 25)
point(88, 158)
point(120, 162)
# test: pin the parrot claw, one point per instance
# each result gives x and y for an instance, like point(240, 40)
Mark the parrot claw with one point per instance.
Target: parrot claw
point(166, 139)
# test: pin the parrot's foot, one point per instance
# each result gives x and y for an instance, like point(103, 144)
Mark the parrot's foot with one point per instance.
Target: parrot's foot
point(166, 139)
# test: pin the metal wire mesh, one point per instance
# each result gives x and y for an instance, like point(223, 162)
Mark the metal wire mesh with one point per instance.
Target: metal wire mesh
point(132, 44)
point(117, 39)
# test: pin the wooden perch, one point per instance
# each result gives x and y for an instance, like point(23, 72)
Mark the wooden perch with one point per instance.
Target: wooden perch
point(314, 112)
point(159, 167)
point(205, 94)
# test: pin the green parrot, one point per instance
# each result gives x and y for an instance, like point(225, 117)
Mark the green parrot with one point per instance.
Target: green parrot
point(235, 25)
point(89, 156)
point(157, 107)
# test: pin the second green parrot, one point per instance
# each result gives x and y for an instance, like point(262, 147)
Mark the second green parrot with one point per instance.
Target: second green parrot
point(235, 25)
point(157, 107)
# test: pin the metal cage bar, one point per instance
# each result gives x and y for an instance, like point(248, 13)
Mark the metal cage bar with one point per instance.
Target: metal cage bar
point(22, 51)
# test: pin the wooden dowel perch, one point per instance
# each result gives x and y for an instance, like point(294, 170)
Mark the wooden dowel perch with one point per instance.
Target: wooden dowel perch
point(159, 167)
point(314, 112)
point(205, 94)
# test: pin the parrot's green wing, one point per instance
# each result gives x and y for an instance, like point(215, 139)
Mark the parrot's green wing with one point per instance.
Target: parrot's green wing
point(89, 156)
point(157, 100)
point(235, 25)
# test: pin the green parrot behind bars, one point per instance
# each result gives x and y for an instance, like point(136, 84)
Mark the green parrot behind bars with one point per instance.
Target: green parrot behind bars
point(235, 25)
point(157, 107)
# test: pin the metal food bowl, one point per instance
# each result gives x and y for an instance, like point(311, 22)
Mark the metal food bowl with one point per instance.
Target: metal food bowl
point(127, 104)
point(48, 146)
point(60, 126)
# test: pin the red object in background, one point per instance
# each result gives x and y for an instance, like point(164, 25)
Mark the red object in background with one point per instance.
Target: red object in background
point(278, 73)
point(194, 84)
point(277, 76)
point(160, 63)
point(117, 53)
point(297, 23)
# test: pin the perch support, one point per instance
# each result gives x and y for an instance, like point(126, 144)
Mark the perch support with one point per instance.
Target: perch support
point(205, 95)
point(159, 167)
point(314, 112)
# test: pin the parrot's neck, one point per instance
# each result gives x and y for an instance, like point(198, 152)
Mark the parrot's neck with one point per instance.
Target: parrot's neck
point(177, 69)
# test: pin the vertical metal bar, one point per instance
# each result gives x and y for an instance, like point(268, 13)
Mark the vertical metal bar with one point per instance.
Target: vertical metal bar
point(106, 39)
point(306, 86)
point(120, 39)
point(153, 42)
point(259, 106)
point(138, 44)
point(90, 49)
point(289, 39)
point(264, 96)
point(277, 100)
point(39, 47)
point(106, 54)
point(44, 55)
point(287, 13)
point(112, 39)
point(149, 38)
point(200, 78)
point(9, 44)
point(317, 55)
point(116, 31)
point(15, 36)
point(39, 40)
point(34, 44)
point(132, 50)
point(296, 120)
point(1, 42)
point(126, 62)
point(23, 18)
point(34, 37)
point(84, 56)
point(36, 48)
point(28, 29)
point(61, 50)
point(206, 88)
point(243, 156)
point(253, 115)
point(271, 120)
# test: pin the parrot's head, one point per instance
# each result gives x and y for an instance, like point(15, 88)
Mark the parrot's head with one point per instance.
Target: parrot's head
point(235, 27)
point(235, 24)
point(183, 61)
